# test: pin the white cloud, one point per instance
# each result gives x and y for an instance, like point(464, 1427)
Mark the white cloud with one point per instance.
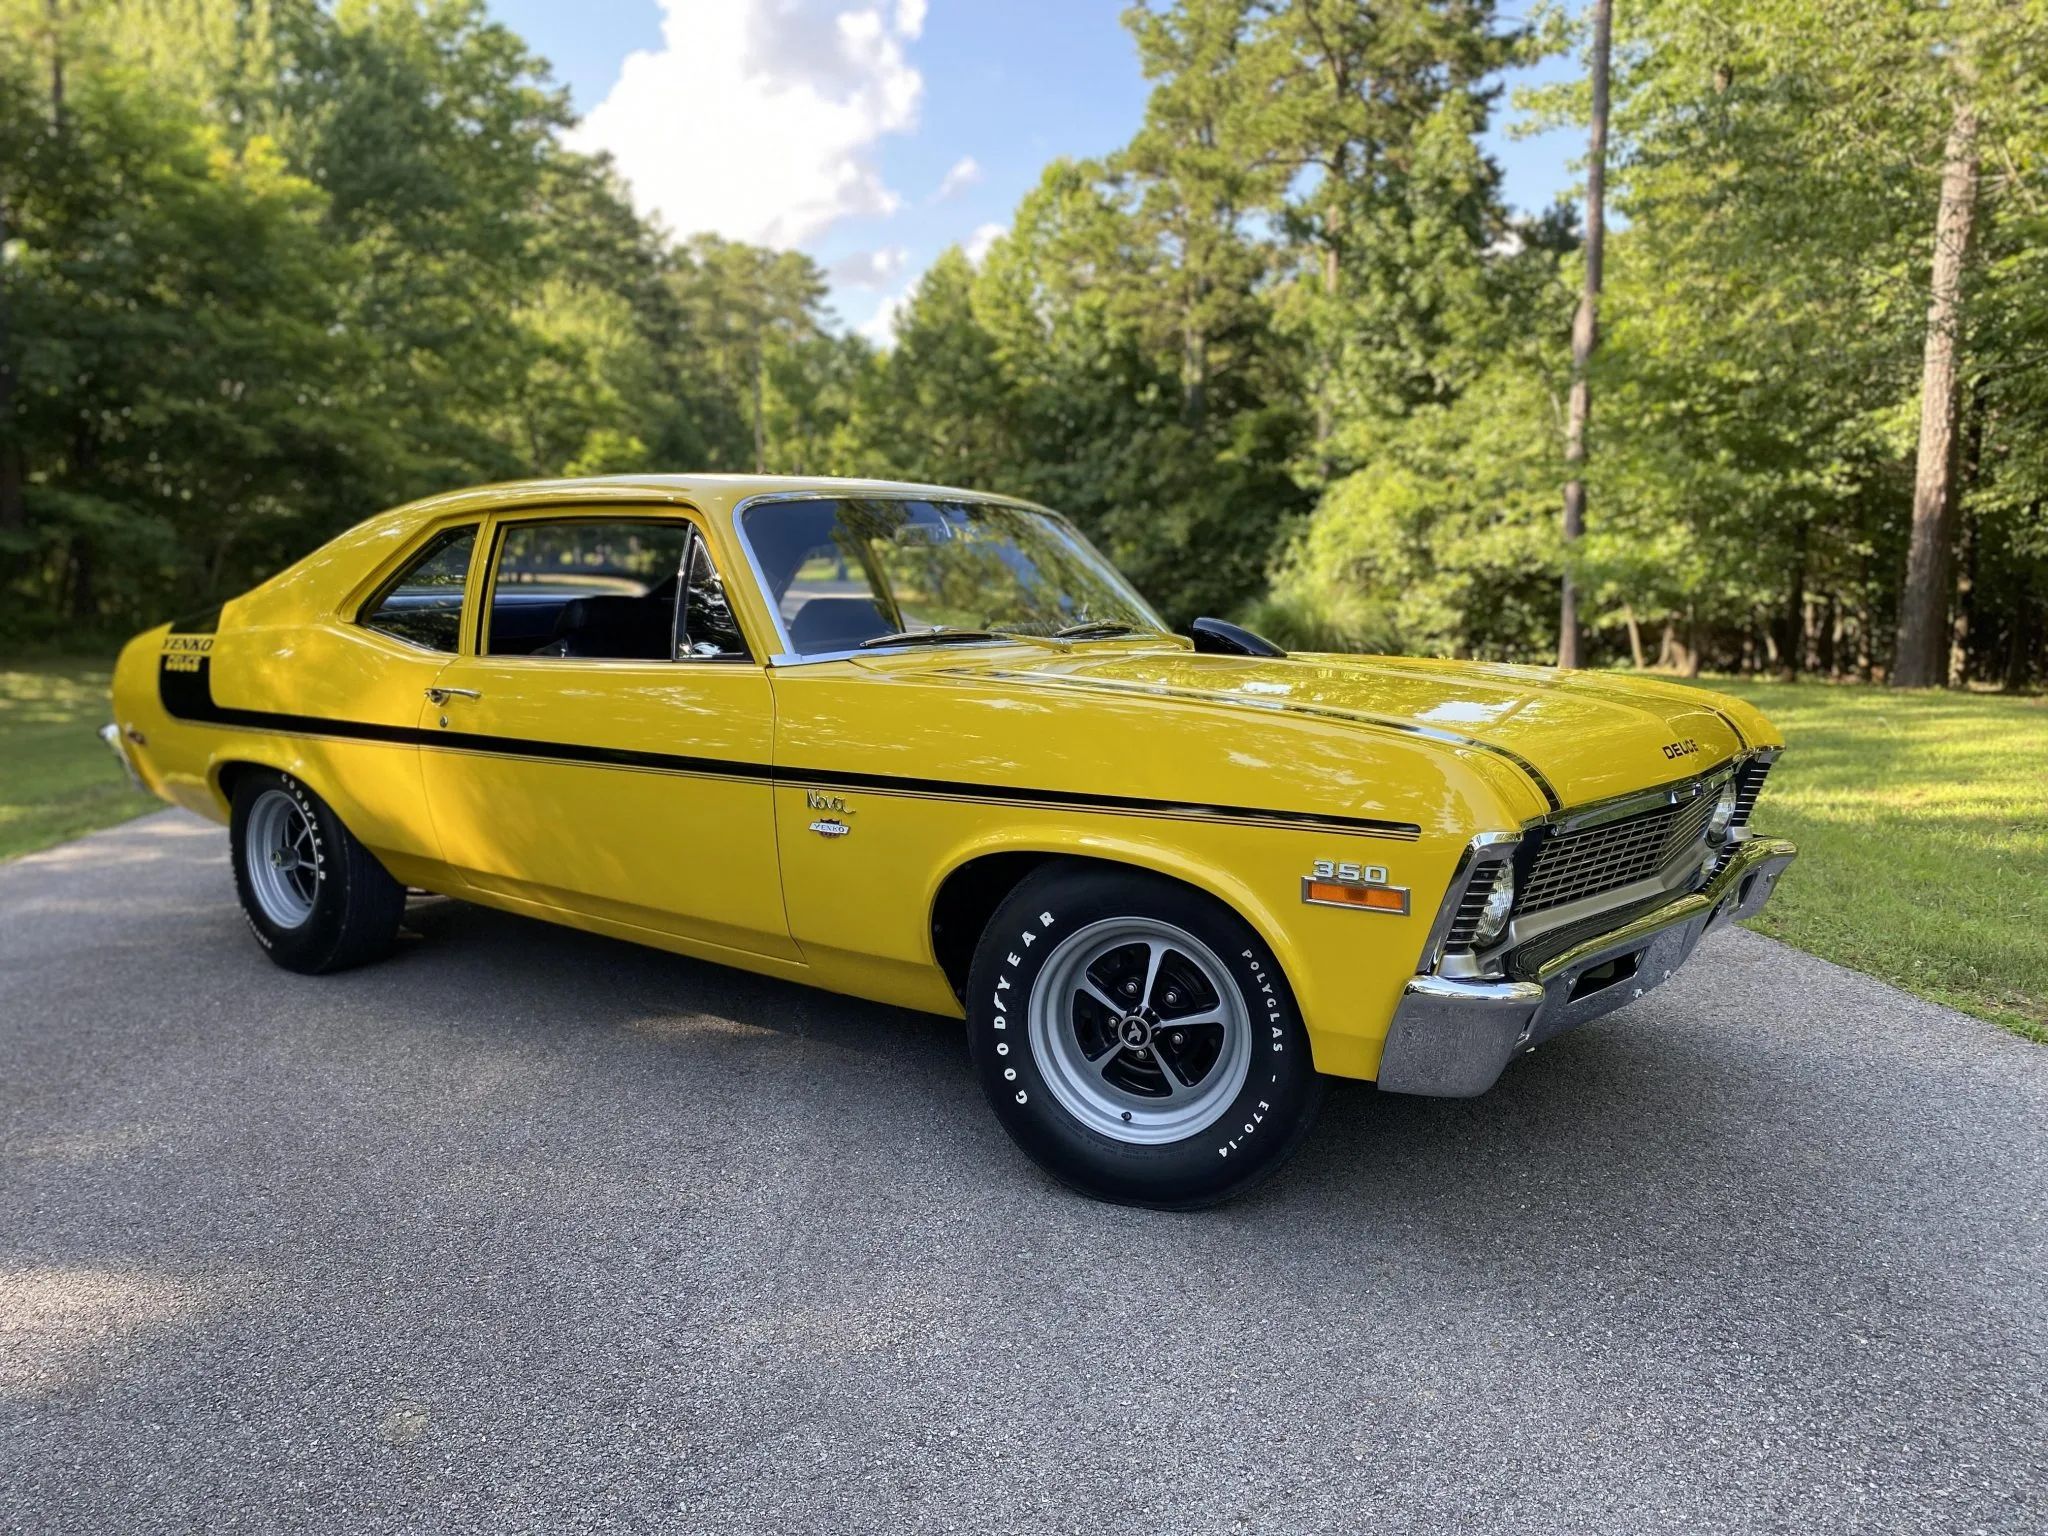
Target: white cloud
point(965, 173)
point(880, 327)
point(979, 242)
point(868, 269)
point(758, 119)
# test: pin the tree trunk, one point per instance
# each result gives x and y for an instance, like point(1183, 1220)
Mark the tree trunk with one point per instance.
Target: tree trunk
point(1585, 336)
point(1959, 627)
point(55, 12)
point(1635, 634)
point(760, 429)
point(1866, 626)
point(13, 512)
point(2017, 643)
point(1921, 661)
point(1194, 376)
point(1787, 632)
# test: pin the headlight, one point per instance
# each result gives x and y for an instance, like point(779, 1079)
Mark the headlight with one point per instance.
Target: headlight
point(1500, 902)
point(1724, 814)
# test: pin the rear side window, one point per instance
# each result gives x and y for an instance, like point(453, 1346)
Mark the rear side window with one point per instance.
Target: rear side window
point(423, 604)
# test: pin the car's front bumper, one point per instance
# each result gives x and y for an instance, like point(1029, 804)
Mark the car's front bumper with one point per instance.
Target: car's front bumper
point(1451, 1038)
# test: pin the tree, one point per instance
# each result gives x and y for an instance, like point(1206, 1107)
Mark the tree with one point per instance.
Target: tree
point(1585, 336)
point(1921, 660)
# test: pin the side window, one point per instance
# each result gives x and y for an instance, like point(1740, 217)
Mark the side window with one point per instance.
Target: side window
point(423, 604)
point(709, 630)
point(596, 588)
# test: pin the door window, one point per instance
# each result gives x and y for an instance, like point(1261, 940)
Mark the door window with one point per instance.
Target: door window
point(422, 605)
point(599, 589)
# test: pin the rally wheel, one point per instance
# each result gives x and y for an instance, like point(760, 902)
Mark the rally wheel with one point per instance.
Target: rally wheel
point(315, 897)
point(1137, 1039)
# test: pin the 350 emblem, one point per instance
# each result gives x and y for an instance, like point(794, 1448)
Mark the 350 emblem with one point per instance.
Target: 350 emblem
point(1351, 874)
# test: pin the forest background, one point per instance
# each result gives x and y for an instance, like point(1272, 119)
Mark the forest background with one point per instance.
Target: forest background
point(269, 266)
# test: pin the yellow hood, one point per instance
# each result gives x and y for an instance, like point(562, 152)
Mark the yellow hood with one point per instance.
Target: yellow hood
point(1582, 736)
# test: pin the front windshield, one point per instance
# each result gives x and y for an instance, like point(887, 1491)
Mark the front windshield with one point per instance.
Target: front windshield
point(847, 570)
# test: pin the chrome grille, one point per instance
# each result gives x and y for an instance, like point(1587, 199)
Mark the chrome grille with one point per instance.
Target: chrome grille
point(1748, 785)
point(1466, 921)
point(1571, 866)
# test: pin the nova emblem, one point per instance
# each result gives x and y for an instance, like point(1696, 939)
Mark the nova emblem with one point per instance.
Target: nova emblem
point(817, 800)
point(826, 827)
point(1683, 748)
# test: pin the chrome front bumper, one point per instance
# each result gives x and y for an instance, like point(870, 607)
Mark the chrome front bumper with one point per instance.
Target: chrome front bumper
point(1450, 1038)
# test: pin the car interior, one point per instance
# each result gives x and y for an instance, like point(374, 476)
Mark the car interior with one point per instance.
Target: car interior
point(614, 626)
point(598, 591)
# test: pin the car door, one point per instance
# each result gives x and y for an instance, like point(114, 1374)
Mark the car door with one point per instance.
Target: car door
point(581, 756)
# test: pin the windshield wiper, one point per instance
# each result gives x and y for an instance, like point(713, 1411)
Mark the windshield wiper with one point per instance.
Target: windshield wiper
point(932, 636)
point(1089, 627)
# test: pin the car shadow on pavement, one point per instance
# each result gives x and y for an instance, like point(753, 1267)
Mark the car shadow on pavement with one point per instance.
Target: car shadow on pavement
point(1653, 1115)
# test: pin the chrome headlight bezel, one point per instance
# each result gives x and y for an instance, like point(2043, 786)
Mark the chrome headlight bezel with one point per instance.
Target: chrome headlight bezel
point(1499, 908)
point(1722, 821)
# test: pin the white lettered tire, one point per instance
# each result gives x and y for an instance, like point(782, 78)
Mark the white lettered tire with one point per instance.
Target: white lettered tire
point(315, 897)
point(1137, 1038)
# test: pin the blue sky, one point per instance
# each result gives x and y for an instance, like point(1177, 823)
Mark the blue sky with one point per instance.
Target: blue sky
point(884, 130)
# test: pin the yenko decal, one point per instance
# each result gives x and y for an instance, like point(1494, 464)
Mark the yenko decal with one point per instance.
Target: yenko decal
point(186, 653)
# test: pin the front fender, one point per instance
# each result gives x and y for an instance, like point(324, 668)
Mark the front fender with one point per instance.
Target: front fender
point(1346, 968)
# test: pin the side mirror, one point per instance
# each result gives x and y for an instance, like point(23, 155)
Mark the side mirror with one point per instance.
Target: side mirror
point(1219, 637)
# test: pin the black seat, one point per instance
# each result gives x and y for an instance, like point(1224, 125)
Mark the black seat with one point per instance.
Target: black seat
point(836, 623)
point(615, 628)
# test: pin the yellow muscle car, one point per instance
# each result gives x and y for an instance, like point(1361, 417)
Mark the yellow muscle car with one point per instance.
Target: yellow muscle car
point(926, 746)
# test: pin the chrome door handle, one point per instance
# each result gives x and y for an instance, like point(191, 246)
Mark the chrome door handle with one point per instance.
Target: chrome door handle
point(443, 695)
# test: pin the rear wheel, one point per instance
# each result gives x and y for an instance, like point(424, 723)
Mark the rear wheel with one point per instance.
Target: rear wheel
point(316, 898)
point(1137, 1039)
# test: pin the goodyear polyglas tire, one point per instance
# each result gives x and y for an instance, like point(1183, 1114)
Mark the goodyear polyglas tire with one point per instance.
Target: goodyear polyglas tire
point(316, 898)
point(1137, 1039)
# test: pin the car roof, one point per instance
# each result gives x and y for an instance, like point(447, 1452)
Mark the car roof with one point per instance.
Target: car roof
point(710, 492)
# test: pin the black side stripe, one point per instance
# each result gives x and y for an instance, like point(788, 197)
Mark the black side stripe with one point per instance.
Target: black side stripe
point(188, 696)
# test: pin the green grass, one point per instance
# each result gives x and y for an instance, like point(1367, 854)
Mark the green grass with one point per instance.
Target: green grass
point(1922, 824)
point(1921, 818)
point(57, 779)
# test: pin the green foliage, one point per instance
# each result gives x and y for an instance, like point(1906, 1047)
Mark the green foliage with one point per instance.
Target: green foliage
point(270, 267)
point(267, 266)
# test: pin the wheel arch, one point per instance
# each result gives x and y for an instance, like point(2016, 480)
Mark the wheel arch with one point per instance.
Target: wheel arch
point(226, 774)
point(967, 894)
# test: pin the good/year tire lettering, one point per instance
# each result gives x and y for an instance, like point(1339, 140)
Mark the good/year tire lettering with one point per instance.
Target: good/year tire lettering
point(1115, 1095)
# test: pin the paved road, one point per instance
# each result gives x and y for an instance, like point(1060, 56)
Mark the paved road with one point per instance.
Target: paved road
point(531, 1230)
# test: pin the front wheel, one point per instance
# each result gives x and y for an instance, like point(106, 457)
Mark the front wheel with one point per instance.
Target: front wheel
point(316, 898)
point(1137, 1038)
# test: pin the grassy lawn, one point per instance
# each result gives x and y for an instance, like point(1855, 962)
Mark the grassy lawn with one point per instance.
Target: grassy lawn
point(1922, 824)
point(56, 778)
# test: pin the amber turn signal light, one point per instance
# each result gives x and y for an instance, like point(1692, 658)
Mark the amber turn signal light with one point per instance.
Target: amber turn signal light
point(1374, 898)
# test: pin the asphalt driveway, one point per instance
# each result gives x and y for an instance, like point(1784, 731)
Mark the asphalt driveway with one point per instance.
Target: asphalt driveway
point(528, 1229)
